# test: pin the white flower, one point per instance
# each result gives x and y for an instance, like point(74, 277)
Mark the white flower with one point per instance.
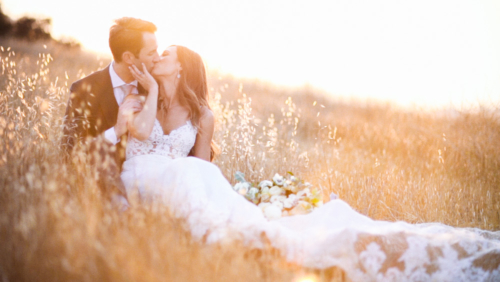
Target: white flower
point(278, 179)
point(304, 193)
point(288, 203)
point(305, 205)
point(293, 188)
point(272, 212)
point(236, 186)
point(263, 206)
point(265, 196)
point(278, 204)
point(242, 187)
point(301, 208)
point(275, 190)
point(291, 201)
point(318, 204)
point(316, 197)
point(293, 178)
point(265, 183)
point(253, 193)
point(287, 184)
point(278, 198)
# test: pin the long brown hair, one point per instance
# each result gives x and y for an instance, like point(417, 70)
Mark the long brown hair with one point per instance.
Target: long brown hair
point(192, 88)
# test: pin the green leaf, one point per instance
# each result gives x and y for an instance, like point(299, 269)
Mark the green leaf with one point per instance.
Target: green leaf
point(289, 172)
point(240, 176)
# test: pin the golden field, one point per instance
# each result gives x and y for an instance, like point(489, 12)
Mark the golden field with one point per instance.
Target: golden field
point(386, 162)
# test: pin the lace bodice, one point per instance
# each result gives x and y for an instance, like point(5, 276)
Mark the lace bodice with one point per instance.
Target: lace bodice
point(177, 144)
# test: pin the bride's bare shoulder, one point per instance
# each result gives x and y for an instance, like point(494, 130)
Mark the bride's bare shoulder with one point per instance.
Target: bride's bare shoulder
point(206, 113)
point(207, 118)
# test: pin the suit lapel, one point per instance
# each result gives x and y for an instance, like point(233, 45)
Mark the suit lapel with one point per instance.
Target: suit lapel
point(107, 100)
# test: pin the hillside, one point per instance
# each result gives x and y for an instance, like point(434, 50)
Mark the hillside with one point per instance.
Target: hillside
point(387, 163)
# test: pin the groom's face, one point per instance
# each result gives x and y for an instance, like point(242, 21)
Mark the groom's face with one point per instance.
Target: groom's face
point(148, 54)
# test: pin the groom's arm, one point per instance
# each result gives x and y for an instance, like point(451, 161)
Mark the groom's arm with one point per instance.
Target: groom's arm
point(127, 108)
point(111, 136)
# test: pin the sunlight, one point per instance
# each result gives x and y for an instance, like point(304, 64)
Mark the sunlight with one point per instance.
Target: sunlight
point(307, 278)
point(302, 187)
point(424, 53)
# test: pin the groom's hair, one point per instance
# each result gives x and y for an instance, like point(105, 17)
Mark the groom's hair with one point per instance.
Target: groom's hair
point(126, 35)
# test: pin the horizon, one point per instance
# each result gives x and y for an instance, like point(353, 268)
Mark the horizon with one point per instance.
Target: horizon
point(430, 53)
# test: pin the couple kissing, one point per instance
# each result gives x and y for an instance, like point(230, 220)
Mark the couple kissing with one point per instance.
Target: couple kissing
point(138, 88)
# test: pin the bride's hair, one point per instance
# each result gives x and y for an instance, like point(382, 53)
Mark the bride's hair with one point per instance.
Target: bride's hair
point(192, 88)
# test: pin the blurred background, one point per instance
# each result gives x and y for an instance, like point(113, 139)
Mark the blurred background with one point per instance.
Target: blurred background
point(412, 53)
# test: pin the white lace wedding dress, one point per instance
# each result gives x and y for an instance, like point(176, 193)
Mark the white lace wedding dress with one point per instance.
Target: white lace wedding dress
point(158, 169)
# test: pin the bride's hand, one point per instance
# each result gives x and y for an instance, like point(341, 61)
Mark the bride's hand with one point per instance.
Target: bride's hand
point(144, 77)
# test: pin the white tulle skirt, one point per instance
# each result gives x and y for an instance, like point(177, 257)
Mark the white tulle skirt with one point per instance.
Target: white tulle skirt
point(332, 235)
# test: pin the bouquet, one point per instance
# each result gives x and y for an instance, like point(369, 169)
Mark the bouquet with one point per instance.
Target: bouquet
point(283, 196)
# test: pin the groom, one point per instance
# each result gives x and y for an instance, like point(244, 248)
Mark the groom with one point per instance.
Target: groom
point(96, 114)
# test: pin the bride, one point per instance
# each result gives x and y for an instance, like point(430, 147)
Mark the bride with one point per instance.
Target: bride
point(168, 161)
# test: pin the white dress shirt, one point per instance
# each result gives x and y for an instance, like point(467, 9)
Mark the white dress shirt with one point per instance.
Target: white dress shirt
point(117, 84)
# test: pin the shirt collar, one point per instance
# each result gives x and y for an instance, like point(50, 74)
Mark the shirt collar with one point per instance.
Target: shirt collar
point(116, 81)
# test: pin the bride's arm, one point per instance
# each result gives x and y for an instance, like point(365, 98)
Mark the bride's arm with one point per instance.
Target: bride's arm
point(141, 124)
point(205, 134)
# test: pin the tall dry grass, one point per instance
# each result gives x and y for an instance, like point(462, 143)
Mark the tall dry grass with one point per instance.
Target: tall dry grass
point(387, 163)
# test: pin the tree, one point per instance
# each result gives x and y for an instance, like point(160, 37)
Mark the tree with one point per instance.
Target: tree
point(5, 23)
point(32, 29)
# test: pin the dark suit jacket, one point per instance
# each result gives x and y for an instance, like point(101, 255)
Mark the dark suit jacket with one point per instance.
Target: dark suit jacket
point(91, 110)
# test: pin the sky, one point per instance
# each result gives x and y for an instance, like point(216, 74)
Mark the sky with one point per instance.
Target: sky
point(429, 53)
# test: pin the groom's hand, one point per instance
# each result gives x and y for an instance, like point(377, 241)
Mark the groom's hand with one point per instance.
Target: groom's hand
point(125, 113)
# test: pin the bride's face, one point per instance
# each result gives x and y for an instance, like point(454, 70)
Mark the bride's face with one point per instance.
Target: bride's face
point(168, 65)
